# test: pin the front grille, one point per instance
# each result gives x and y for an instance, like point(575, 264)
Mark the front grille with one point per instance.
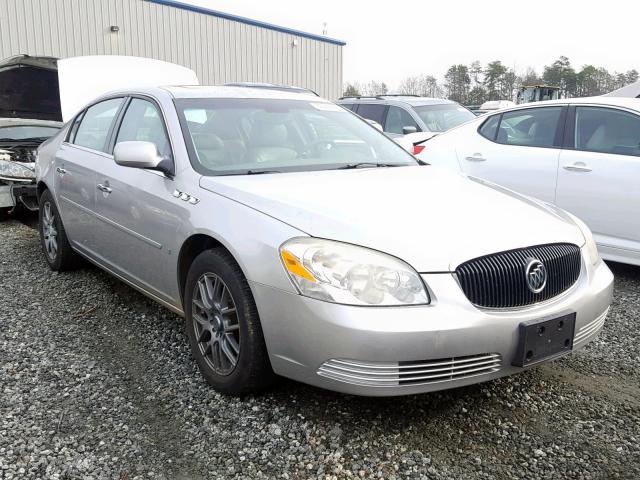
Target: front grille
point(394, 374)
point(499, 280)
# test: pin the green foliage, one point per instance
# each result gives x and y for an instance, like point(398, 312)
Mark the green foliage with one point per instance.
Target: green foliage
point(457, 83)
point(350, 90)
point(473, 85)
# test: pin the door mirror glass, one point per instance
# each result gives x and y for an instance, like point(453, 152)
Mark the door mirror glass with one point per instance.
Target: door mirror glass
point(409, 129)
point(138, 154)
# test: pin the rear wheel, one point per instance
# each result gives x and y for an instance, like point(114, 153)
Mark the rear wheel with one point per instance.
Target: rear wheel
point(223, 327)
point(53, 237)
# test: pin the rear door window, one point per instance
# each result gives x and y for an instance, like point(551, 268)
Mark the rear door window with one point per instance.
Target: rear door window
point(607, 130)
point(96, 124)
point(372, 111)
point(533, 127)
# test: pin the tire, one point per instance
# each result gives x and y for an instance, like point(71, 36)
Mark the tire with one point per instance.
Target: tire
point(217, 333)
point(53, 238)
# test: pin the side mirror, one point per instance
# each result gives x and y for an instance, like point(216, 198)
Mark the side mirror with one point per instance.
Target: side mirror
point(141, 155)
point(409, 129)
point(374, 124)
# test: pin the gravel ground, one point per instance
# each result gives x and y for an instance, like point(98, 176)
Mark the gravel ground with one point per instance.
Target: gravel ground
point(97, 382)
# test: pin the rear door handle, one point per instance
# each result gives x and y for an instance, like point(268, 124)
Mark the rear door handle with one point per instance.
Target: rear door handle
point(61, 171)
point(577, 167)
point(476, 157)
point(103, 188)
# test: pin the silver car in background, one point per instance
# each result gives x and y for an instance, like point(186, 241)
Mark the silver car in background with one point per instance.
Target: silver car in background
point(298, 240)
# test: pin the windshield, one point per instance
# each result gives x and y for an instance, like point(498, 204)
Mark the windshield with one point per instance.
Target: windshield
point(440, 118)
point(245, 136)
point(26, 133)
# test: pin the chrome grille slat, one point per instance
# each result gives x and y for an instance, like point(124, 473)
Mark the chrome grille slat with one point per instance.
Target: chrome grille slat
point(587, 330)
point(400, 372)
point(498, 280)
point(410, 373)
point(419, 364)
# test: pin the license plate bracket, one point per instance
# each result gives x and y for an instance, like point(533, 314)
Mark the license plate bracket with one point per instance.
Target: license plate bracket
point(541, 340)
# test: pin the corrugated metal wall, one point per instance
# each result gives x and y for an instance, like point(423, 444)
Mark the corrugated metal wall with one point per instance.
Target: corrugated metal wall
point(217, 49)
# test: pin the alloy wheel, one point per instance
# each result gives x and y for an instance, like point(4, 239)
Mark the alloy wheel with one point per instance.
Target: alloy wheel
point(49, 231)
point(215, 323)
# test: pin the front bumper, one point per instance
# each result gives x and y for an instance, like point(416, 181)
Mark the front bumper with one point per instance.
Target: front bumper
point(449, 343)
point(19, 193)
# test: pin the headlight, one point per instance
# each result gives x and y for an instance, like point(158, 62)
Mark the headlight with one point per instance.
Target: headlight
point(343, 273)
point(590, 243)
point(15, 170)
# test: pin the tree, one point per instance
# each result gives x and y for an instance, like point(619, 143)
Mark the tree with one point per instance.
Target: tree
point(374, 88)
point(508, 84)
point(410, 86)
point(631, 76)
point(587, 82)
point(560, 73)
point(493, 79)
point(351, 90)
point(530, 77)
point(457, 83)
point(475, 72)
point(428, 87)
point(477, 95)
point(423, 85)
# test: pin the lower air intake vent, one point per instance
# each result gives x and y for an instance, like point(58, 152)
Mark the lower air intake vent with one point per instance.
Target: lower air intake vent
point(410, 373)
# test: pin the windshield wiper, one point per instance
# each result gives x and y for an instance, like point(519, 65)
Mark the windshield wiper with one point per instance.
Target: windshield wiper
point(350, 166)
point(259, 172)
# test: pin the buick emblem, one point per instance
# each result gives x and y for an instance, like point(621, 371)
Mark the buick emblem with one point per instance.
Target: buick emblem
point(536, 275)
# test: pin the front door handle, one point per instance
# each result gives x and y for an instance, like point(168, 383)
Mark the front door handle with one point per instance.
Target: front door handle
point(476, 157)
point(577, 167)
point(103, 188)
point(61, 171)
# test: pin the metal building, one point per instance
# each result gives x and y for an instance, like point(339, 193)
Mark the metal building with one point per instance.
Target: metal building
point(219, 47)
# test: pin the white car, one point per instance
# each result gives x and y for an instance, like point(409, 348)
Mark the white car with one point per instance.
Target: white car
point(581, 154)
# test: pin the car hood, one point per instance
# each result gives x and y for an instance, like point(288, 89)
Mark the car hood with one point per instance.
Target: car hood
point(431, 218)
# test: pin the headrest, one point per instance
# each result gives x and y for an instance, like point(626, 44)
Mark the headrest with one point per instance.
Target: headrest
point(207, 141)
point(268, 135)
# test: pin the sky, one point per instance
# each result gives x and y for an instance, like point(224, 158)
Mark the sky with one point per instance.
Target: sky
point(388, 41)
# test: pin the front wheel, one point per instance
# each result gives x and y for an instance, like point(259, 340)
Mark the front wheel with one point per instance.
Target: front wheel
point(223, 326)
point(53, 237)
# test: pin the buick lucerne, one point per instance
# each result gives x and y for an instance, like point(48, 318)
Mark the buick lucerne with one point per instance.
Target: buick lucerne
point(298, 240)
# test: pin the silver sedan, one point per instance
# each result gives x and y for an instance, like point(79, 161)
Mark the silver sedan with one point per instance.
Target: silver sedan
point(298, 240)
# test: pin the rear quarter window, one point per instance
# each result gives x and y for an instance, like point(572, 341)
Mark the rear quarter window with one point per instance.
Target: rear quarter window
point(490, 127)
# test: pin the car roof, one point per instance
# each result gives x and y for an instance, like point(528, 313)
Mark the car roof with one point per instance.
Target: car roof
point(413, 100)
point(633, 103)
point(203, 91)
